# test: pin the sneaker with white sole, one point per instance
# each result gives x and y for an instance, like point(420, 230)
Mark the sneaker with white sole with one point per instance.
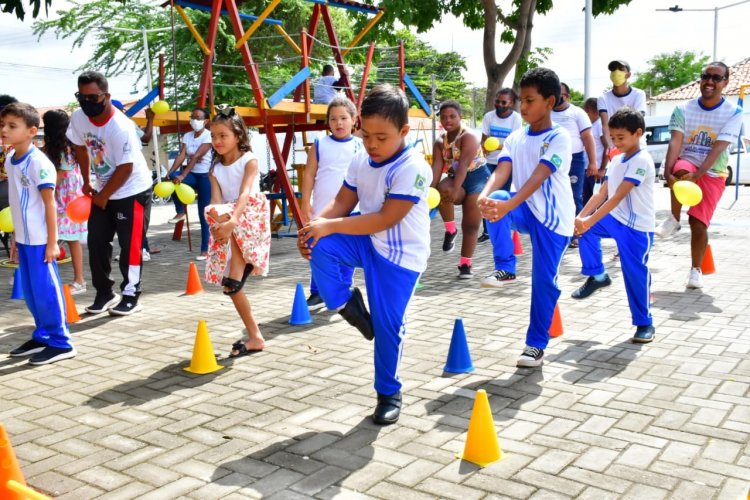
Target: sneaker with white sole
point(51, 355)
point(177, 218)
point(27, 349)
point(464, 272)
point(77, 288)
point(669, 227)
point(695, 278)
point(530, 357)
point(102, 303)
point(145, 256)
point(497, 279)
point(127, 306)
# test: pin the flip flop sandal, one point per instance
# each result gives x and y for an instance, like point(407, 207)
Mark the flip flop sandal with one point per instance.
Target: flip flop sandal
point(241, 350)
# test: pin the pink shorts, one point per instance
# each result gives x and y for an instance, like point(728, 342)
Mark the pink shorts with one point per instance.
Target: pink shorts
point(712, 187)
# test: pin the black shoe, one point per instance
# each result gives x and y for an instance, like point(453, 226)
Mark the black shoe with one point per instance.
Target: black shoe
point(590, 286)
point(127, 306)
point(51, 354)
point(449, 241)
point(483, 237)
point(355, 313)
point(464, 272)
point(103, 302)
point(315, 301)
point(27, 349)
point(644, 334)
point(388, 409)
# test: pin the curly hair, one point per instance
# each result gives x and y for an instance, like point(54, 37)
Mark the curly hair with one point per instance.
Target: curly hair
point(55, 143)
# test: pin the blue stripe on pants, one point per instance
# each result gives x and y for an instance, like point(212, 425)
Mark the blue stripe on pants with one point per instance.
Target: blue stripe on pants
point(389, 290)
point(634, 247)
point(547, 249)
point(42, 292)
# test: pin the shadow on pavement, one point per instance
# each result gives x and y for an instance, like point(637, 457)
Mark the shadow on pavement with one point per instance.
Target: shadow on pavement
point(685, 306)
point(590, 366)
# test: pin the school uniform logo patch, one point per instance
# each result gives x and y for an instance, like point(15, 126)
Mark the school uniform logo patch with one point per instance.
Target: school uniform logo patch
point(420, 182)
point(640, 171)
point(556, 161)
point(43, 174)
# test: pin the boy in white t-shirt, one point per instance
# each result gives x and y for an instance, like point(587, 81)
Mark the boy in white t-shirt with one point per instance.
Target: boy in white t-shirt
point(390, 240)
point(31, 188)
point(600, 146)
point(627, 216)
point(543, 207)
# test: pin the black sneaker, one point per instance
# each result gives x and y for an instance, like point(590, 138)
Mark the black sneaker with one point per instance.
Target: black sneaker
point(27, 349)
point(127, 306)
point(315, 301)
point(644, 334)
point(464, 272)
point(356, 314)
point(497, 279)
point(52, 354)
point(590, 286)
point(483, 237)
point(102, 303)
point(449, 241)
point(387, 410)
point(530, 357)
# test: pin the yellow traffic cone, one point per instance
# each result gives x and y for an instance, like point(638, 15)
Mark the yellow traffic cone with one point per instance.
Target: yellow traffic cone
point(482, 446)
point(204, 360)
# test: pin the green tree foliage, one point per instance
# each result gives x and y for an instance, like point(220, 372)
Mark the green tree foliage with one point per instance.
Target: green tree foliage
point(16, 7)
point(668, 71)
point(117, 52)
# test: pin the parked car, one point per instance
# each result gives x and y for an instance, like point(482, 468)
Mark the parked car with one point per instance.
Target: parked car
point(744, 155)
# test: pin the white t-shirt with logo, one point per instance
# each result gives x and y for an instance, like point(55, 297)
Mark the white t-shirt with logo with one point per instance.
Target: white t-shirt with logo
point(406, 176)
point(702, 127)
point(334, 157)
point(636, 210)
point(575, 121)
point(494, 126)
point(192, 144)
point(552, 204)
point(111, 144)
point(230, 177)
point(27, 176)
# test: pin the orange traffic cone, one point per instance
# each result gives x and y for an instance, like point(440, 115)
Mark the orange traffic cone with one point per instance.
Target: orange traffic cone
point(556, 328)
point(517, 248)
point(194, 281)
point(71, 313)
point(707, 266)
point(9, 468)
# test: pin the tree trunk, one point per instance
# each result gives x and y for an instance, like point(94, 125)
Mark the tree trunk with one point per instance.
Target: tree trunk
point(496, 73)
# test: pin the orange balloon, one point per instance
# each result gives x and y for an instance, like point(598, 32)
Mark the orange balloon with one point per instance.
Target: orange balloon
point(79, 209)
point(614, 152)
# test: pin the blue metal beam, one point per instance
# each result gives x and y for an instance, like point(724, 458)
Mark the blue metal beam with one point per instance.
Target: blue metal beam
point(357, 8)
point(414, 90)
point(247, 17)
point(288, 87)
point(142, 102)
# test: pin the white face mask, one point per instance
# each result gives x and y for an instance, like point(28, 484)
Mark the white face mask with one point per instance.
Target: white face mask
point(197, 125)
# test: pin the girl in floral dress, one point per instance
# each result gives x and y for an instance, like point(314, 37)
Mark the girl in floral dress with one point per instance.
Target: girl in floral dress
point(239, 221)
point(69, 184)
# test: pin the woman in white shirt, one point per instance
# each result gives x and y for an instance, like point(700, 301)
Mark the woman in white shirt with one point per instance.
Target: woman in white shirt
point(196, 147)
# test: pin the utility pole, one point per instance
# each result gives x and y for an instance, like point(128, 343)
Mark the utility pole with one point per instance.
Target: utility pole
point(587, 49)
point(433, 103)
point(474, 107)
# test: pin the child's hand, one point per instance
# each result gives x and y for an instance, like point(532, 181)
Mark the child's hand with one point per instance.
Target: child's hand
point(304, 249)
point(580, 226)
point(493, 210)
point(314, 230)
point(51, 253)
point(305, 211)
point(224, 230)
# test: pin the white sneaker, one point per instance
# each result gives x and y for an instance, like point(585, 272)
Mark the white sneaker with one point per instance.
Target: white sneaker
point(146, 256)
point(695, 278)
point(77, 288)
point(668, 227)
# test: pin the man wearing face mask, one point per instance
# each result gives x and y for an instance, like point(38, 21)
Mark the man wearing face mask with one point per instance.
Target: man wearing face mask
point(196, 147)
point(499, 123)
point(106, 143)
point(621, 94)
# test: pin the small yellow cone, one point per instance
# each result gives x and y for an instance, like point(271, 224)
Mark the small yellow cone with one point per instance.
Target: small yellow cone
point(204, 360)
point(482, 446)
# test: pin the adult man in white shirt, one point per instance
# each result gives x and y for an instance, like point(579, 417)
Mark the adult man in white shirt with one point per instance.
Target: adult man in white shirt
point(326, 86)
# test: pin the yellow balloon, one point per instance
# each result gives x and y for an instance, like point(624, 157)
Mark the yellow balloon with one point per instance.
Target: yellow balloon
point(6, 220)
point(688, 193)
point(185, 193)
point(160, 107)
point(164, 189)
point(433, 198)
point(491, 144)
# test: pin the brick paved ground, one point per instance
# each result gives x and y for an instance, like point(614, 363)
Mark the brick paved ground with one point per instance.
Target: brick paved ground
point(604, 418)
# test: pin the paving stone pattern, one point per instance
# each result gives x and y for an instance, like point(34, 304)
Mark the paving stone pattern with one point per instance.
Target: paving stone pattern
point(604, 418)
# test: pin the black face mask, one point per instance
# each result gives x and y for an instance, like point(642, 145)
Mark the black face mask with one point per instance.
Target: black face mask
point(92, 109)
point(501, 110)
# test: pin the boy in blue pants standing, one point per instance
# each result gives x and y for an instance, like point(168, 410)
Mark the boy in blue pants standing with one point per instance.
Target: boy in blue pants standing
point(623, 209)
point(31, 179)
point(390, 240)
point(539, 157)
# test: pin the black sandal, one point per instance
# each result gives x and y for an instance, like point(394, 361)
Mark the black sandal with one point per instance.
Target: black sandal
point(241, 349)
point(234, 285)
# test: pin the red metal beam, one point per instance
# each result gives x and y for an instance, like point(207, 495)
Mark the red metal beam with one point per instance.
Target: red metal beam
point(401, 69)
point(207, 70)
point(334, 41)
point(365, 74)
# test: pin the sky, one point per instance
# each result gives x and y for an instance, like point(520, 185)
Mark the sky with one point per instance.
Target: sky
point(44, 73)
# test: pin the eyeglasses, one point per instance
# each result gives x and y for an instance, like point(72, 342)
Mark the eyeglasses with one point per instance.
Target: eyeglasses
point(714, 78)
point(88, 97)
point(225, 110)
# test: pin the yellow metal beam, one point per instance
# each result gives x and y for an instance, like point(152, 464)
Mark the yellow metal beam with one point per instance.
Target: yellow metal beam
point(256, 24)
point(288, 39)
point(191, 27)
point(364, 31)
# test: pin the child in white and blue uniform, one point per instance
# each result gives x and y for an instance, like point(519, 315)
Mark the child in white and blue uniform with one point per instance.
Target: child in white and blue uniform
point(31, 178)
point(543, 207)
point(390, 240)
point(623, 209)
